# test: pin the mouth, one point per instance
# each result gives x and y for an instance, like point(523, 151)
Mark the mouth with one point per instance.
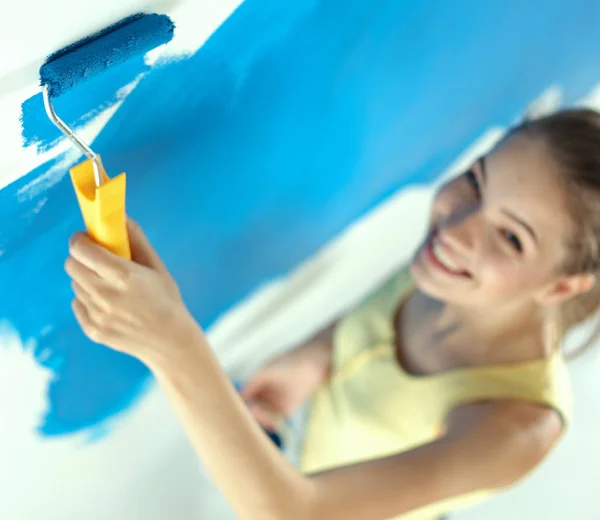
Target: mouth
point(438, 256)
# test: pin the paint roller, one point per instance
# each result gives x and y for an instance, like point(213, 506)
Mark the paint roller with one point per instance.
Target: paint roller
point(101, 199)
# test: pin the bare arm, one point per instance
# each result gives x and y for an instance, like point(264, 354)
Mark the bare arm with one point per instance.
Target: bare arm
point(254, 476)
point(487, 446)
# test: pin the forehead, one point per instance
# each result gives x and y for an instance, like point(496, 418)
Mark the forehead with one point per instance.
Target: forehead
point(520, 168)
point(522, 177)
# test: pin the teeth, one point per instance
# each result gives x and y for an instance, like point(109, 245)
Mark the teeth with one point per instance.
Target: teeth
point(442, 258)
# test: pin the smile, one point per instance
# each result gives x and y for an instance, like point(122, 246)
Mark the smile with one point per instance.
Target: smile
point(437, 255)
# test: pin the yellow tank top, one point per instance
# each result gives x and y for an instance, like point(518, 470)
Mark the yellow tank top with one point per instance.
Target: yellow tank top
point(371, 408)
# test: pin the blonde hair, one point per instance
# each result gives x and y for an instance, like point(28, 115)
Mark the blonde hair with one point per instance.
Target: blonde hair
point(573, 140)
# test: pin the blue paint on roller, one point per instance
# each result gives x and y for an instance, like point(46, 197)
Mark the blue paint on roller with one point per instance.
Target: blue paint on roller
point(295, 118)
point(110, 47)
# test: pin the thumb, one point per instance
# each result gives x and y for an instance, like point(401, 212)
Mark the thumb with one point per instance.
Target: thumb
point(253, 387)
point(142, 251)
point(267, 416)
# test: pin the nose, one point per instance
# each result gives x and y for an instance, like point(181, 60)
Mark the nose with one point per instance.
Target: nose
point(461, 230)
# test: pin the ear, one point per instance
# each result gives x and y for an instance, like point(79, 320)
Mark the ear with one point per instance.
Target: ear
point(566, 288)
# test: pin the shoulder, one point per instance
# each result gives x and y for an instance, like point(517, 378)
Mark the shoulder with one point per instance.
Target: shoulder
point(516, 436)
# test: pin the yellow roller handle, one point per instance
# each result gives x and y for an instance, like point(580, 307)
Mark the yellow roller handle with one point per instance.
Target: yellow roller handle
point(103, 208)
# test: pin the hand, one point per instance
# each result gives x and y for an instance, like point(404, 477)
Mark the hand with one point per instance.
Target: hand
point(281, 387)
point(134, 306)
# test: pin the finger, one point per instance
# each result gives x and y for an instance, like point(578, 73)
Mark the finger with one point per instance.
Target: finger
point(87, 323)
point(266, 416)
point(99, 312)
point(81, 293)
point(253, 387)
point(142, 251)
point(95, 299)
point(83, 276)
point(108, 266)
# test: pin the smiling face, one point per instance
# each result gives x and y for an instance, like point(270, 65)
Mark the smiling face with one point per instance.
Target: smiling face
point(498, 232)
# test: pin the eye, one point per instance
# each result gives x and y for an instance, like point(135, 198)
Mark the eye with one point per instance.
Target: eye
point(511, 238)
point(474, 183)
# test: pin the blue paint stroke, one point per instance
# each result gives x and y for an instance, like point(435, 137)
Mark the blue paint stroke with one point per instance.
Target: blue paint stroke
point(294, 119)
point(35, 246)
point(79, 106)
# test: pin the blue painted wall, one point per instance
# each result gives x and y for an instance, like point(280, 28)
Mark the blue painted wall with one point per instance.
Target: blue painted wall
point(295, 118)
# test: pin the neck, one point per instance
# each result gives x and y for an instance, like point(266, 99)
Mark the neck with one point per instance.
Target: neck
point(491, 334)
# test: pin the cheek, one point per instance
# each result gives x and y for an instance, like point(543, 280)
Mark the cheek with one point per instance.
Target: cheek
point(505, 278)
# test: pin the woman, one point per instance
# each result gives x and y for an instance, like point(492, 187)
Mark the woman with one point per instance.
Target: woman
point(447, 385)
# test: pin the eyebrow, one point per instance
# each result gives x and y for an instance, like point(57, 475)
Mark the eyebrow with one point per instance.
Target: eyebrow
point(509, 214)
point(522, 223)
